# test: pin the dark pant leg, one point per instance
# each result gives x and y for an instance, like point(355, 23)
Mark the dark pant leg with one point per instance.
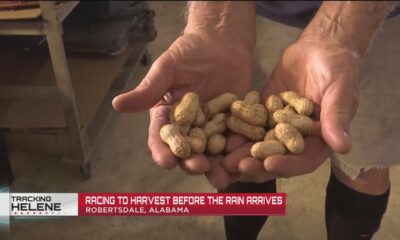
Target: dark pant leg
point(5, 168)
point(246, 227)
point(352, 215)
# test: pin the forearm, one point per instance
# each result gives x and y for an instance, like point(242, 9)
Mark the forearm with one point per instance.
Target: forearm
point(230, 21)
point(351, 24)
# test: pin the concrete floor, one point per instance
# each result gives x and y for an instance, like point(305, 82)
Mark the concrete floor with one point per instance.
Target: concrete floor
point(122, 163)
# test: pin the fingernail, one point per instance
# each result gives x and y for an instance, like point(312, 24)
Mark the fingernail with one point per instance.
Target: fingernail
point(168, 97)
point(114, 101)
point(266, 165)
point(348, 137)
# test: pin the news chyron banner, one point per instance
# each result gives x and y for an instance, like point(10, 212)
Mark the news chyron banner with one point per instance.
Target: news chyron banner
point(141, 204)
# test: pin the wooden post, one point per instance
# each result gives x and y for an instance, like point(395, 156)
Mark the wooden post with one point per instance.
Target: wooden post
point(53, 30)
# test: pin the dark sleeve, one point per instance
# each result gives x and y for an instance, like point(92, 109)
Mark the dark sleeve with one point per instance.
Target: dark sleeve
point(293, 13)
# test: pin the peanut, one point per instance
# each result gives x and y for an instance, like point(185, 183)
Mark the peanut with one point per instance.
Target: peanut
point(170, 134)
point(290, 137)
point(236, 125)
point(289, 108)
point(186, 110)
point(200, 118)
point(184, 129)
point(248, 118)
point(252, 97)
point(219, 104)
point(302, 105)
point(216, 144)
point(198, 133)
point(216, 125)
point(270, 135)
point(273, 104)
point(303, 123)
point(261, 150)
point(254, 114)
point(197, 145)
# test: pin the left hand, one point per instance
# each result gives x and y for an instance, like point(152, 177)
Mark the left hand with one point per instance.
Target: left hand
point(195, 62)
point(326, 73)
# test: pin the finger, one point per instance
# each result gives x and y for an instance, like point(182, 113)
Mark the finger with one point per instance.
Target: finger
point(195, 165)
point(315, 153)
point(252, 170)
point(160, 151)
point(217, 175)
point(234, 141)
point(337, 109)
point(273, 85)
point(231, 161)
point(150, 90)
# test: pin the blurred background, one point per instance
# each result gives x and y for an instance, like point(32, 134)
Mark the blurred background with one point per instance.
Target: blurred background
point(121, 162)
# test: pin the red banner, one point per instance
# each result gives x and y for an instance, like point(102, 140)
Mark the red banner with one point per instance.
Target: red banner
point(180, 204)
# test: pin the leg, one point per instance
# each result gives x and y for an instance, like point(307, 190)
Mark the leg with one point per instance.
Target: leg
point(246, 227)
point(354, 208)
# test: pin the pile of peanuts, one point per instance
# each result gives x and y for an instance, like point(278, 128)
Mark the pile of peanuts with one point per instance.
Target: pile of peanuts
point(277, 127)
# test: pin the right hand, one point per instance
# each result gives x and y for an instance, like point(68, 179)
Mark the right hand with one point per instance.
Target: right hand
point(327, 73)
point(205, 65)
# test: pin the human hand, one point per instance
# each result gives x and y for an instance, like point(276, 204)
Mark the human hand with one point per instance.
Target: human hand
point(207, 66)
point(327, 74)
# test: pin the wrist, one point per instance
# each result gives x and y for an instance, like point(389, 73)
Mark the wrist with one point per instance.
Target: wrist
point(232, 22)
point(350, 25)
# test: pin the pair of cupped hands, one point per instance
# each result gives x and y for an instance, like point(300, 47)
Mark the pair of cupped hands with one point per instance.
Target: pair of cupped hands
point(322, 71)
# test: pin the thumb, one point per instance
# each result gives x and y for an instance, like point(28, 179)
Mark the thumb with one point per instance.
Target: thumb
point(150, 90)
point(338, 107)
